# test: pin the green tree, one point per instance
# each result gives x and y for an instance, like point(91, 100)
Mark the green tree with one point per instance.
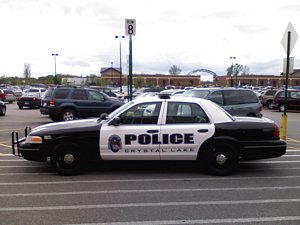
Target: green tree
point(236, 69)
point(174, 70)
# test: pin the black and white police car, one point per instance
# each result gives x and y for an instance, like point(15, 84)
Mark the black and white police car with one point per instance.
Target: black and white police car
point(156, 128)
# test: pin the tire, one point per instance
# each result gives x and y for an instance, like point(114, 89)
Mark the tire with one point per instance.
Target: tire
point(3, 112)
point(54, 118)
point(20, 107)
point(67, 115)
point(269, 104)
point(281, 108)
point(220, 159)
point(66, 159)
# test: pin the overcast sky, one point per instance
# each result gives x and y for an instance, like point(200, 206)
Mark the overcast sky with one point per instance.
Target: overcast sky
point(192, 34)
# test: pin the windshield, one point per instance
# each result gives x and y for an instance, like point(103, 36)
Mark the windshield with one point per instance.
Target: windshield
point(120, 109)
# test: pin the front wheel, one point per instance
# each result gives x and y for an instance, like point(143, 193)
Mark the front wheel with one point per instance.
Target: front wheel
point(220, 159)
point(67, 160)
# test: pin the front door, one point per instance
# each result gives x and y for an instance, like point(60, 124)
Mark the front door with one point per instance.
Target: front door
point(136, 136)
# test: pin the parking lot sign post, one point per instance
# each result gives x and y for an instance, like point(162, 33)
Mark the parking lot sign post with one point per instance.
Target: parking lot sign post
point(130, 27)
point(288, 42)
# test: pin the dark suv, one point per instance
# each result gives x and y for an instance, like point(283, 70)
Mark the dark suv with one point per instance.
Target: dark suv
point(69, 103)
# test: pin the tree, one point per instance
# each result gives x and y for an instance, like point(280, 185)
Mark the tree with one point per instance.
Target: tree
point(245, 70)
point(27, 71)
point(236, 69)
point(174, 70)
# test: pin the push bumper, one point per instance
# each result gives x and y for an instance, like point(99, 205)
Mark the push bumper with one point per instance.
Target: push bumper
point(27, 151)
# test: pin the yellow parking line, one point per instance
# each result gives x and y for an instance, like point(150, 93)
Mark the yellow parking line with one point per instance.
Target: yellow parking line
point(8, 146)
point(293, 140)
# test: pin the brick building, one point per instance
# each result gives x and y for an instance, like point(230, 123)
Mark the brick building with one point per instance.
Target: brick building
point(260, 80)
point(111, 75)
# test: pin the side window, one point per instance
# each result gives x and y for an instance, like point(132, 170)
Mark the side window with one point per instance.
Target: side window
point(79, 94)
point(295, 95)
point(95, 95)
point(185, 113)
point(145, 113)
point(61, 93)
point(217, 97)
point(231, 97)
point(235, 97)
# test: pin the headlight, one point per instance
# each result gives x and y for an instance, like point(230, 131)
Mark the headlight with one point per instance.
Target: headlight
point(34, 140)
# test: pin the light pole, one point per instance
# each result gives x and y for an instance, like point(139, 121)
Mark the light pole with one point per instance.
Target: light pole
point(55, 78)
point(120, 61)
point(231, 81)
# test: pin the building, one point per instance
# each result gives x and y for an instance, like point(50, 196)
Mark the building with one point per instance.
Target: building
point(111, 75)
point(260, 80)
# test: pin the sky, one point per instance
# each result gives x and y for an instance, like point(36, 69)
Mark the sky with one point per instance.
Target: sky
point(191, 34)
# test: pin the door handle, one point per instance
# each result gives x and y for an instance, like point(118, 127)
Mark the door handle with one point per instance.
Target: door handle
point(152, 131)
point(202, 130)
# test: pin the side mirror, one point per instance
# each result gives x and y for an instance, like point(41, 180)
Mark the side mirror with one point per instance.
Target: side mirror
point(116, 121)
point(103, 116)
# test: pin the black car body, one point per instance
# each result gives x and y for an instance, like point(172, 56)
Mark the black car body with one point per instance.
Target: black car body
point(69, 103)
point(29, 99)
point(158, 128)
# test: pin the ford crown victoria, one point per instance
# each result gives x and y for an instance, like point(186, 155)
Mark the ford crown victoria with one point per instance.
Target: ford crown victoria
point(157, 128)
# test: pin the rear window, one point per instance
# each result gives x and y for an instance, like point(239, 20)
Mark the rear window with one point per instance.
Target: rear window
point(61, 93)
point(236, 97)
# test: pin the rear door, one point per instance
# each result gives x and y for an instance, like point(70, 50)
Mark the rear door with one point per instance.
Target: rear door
point(186, 126)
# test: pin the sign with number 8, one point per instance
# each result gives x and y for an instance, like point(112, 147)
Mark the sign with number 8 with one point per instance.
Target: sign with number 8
point(130, 25)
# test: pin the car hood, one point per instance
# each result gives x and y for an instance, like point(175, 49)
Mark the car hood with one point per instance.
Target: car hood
point(66, 127)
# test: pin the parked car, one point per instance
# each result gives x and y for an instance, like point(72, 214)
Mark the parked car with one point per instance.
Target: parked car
point(9, 96)
point(236, 101)
point(2, 95)
point(267, 97)
point(29, 99)
point(161, 128)
point(293, 100)
point(69, 103)
point(2, 108)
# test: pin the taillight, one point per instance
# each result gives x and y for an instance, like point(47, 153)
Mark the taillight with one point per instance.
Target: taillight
point(276, 132)
point(52, 102)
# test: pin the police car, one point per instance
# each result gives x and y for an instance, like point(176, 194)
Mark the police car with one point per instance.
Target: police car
point(156, 128)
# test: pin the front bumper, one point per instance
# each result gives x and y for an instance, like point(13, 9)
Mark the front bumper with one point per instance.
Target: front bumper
point(30, 152)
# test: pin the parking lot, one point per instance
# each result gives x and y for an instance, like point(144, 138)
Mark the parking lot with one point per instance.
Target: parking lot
point(261, 192)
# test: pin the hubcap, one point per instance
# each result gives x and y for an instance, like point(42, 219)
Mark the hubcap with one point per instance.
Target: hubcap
point(221, 159)
point(68, 159)
point(68, 116)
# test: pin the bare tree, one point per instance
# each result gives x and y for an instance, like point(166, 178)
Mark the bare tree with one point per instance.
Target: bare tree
point(27, 71)
point(174, 70)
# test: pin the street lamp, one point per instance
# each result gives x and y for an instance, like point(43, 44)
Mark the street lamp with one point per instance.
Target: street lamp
point(120, 61)
point(232, 58)
point(55, 78)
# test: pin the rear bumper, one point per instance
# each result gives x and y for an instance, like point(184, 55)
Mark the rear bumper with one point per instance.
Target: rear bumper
point(263, 150)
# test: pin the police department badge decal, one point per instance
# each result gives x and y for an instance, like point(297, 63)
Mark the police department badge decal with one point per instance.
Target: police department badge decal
point(114, 143)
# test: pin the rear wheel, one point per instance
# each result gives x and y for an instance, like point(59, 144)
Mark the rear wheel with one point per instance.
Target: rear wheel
point(220, 159)
point(269, 104)
point(67, 115)
point(66, 159)
point(54, 118)
point(281, 108)
point(3, 112)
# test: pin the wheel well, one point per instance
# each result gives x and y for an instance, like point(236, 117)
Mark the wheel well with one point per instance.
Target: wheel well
point(211, 142)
